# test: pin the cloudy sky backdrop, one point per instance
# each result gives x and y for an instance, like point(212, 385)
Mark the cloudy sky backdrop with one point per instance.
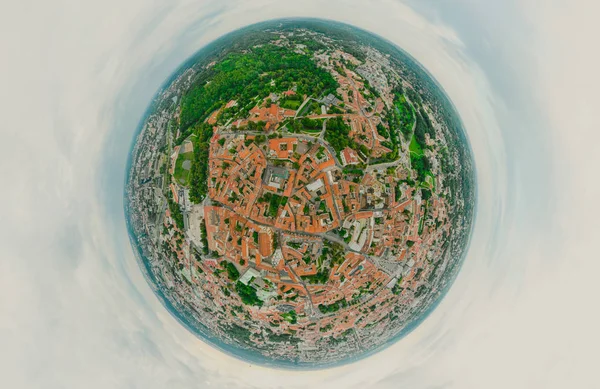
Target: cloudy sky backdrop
point(75, 80)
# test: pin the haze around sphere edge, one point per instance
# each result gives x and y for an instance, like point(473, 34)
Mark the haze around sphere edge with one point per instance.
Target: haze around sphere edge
point(301, 194)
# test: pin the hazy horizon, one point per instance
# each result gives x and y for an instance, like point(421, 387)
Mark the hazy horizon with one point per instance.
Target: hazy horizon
point(76, 310)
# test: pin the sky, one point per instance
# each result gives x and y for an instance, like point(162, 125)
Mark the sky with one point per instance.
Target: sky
point(76, 78)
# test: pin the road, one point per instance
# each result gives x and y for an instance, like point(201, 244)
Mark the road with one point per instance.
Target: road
point(314, 312)
point(302, 106)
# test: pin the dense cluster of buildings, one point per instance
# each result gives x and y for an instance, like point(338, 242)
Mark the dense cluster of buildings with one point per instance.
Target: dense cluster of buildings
point(297, 250)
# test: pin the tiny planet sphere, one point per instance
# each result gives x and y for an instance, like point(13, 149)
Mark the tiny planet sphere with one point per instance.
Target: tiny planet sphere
point(300, 194)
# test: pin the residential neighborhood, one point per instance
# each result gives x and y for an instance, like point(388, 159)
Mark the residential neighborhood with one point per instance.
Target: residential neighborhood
point(309, 216)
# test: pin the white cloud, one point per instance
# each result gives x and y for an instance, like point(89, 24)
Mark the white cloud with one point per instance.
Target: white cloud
point(75, 310)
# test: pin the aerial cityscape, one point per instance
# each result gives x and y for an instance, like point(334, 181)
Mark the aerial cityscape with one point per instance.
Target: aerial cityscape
point(301, 193)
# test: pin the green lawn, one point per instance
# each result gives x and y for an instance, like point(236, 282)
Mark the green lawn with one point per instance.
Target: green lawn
point(291, 104)
point(182, 174)
point(415, 147)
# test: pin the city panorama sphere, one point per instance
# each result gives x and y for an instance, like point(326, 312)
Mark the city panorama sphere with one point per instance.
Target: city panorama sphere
point(300, 194)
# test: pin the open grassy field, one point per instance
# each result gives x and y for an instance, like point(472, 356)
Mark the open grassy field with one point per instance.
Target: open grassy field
point(291, 104)
point(182, 169)
point(415, 147)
